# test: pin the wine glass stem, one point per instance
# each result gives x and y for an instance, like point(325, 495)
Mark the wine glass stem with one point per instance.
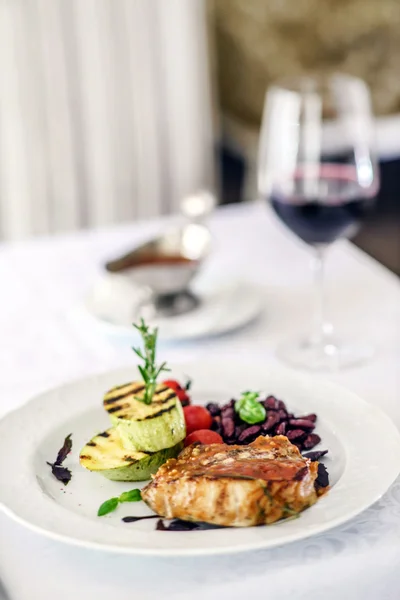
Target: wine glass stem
point(323, 328)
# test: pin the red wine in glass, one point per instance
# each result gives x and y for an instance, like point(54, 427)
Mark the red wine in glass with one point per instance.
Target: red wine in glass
point(317, 166)
point(321, 210)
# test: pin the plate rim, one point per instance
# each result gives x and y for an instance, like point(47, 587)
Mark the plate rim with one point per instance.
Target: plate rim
point(206, 551)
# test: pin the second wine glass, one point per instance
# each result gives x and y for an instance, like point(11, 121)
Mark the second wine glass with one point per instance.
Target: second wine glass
point(318, 170)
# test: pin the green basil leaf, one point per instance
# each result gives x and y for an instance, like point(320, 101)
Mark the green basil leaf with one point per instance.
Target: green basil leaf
point(249, 409)
point(251, 395)
point(238, 404)
point(107, 507)
point(131, 496)
point(245, 397)
point(252, 412)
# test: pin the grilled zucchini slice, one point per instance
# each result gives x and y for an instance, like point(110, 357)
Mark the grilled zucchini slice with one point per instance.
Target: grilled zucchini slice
point(105, 454)
point(147, 427)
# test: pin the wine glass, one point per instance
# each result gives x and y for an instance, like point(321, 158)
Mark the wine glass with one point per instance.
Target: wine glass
point(318, 170)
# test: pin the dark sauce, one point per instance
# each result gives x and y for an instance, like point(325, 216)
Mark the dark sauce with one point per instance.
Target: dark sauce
point(134, 260)
point(174, 525)
point(178, 525)
point(134, 519)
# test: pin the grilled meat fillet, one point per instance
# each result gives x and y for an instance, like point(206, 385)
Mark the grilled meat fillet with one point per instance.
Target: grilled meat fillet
point(236, 486)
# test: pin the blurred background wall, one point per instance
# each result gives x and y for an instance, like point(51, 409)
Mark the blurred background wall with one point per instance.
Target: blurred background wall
point(105, 111)
point(260, 41)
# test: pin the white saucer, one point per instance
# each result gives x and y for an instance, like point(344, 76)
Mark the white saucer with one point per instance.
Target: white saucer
point(110, 306)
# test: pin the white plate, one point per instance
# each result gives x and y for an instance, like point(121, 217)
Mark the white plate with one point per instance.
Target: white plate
point(110, 308)
point(363, 462)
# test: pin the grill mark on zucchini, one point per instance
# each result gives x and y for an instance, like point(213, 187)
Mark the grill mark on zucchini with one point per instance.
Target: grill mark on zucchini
point(164, 388)
point(118, 407)
point(110, 401)
point(91, 444)
point(105, 434)
point(163, 400)
point(152, 416)
point(159, 403)
point(114, 409)
point(161, 412)
point(131, 390)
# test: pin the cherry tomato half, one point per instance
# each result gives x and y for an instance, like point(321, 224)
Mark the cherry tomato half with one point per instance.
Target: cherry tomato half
point(204, 436)
point(173, 384)
point(179, 391)
point(196, 417)
point(183, 397)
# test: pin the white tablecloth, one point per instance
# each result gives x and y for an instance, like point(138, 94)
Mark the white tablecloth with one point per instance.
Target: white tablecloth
point(40, 347)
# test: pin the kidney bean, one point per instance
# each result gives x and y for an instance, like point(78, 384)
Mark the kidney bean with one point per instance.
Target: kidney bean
point(249, 433)
point(312, 417)
point(239, 429)
point(271, 402)
point(228, 425)
point(281, 429)
point(311, 440)
point(295, 435)
point(302, 424)
point(282, 415)
point(213, 409)
point(272, 420)
point(216, 425)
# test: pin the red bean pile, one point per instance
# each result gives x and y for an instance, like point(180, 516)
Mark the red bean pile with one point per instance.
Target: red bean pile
point(278, 421)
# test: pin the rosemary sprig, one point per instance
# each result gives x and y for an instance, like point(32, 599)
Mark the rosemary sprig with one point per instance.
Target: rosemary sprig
point(149, 371)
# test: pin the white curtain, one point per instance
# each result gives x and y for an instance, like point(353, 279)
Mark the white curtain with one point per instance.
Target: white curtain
point(105, 111)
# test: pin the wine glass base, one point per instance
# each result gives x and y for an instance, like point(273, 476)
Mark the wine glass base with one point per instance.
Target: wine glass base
point(327, 354)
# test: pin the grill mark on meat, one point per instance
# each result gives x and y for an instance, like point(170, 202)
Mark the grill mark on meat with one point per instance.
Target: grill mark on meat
point(221, 500)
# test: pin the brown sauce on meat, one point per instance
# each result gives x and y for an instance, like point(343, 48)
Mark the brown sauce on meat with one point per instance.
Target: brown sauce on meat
point(271, 470)
point(219, 460)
